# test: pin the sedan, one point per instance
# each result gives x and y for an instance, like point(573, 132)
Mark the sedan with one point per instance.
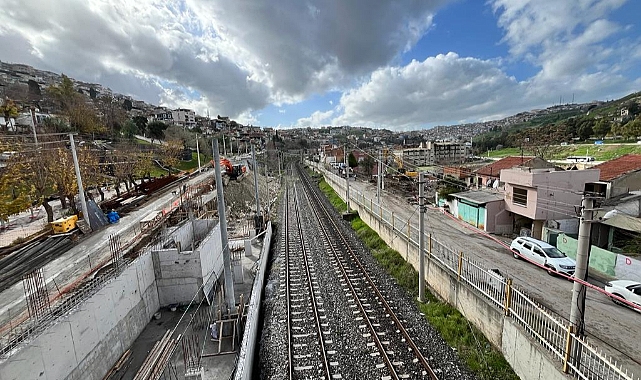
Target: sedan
point(628, 290)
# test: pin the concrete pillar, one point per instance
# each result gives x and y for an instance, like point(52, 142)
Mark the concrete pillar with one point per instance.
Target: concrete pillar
point(537, 229)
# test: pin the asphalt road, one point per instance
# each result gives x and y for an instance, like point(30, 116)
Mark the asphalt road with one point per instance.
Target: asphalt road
point(610, 327)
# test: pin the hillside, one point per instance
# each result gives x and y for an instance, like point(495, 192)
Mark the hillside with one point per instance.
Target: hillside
point(616, 120)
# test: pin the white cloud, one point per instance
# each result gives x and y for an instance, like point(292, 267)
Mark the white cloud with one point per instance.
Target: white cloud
point(317, 119)
point(239, 55)
point(439, 89)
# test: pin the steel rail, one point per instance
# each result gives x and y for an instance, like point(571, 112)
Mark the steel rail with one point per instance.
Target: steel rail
point(320, 207)
point(305, 256)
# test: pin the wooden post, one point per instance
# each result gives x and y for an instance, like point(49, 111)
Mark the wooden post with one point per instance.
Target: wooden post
point(392, 221)
point(508, 296)
point(568, 349)
point(460, 264)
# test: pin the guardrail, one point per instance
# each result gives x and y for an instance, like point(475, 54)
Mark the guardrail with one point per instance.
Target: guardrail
point(577, 356)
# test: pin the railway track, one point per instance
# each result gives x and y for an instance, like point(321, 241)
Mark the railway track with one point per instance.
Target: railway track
point(307, 346)
point(389, 342)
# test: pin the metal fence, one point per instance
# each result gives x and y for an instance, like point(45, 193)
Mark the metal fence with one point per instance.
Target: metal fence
point(577, 357)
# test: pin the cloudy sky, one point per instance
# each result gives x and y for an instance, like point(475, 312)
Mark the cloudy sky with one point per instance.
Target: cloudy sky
point(397, 64)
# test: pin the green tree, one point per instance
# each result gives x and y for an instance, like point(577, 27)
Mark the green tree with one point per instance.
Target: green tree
point(602, 128)
point(351, 160)
point(633, 128)
point(141, 123)
point(129, 129)
point(156, 130)
point(73, 105)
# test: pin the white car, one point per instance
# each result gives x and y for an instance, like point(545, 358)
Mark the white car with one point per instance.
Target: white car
point(544, 254)
point(628, 290)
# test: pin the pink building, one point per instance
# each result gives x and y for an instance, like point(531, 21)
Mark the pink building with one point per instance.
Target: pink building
point(537, 195)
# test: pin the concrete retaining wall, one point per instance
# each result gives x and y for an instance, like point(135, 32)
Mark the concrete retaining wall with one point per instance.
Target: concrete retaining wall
point(180, 274)
point(89, 340)
point(528, 358)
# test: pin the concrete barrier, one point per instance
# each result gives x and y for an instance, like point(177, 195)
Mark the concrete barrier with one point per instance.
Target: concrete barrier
point(244, 369)
point(85, 343)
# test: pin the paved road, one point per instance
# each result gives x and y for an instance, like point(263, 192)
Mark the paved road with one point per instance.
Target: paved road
point(612, 328)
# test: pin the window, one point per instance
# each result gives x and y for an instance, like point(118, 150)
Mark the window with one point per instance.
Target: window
point(520, 196)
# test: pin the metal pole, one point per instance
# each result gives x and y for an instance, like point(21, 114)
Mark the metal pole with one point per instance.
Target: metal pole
point(421, 238)
point(378, 178)
point(33, 124)
point(229, 281)
point(347, 178)
point(280, 178)
point(256, 184)
point(81, 190)
point(577, 310)
point(198, 153)
point(224, 147)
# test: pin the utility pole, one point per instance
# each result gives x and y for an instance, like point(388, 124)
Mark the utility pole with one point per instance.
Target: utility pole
point(81, 190)
point(257, 222)
point(280, 178)
point(378, 178)
point(577, 310)
point(347, 178)
point(198, 152)
point(224, 147)
point(421, 237)
point(229, 281)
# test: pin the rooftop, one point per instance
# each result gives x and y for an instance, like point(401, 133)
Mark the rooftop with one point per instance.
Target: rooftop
point(479, 196)
point(494, 169)
point(619, 166)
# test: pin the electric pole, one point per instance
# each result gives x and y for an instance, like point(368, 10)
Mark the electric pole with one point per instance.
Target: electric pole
point(421, 237)
point(257, 223)
point(198, 152)
point(229, 282)
point(81, 190)
point(378, 178)
point(347, 178)
point(577, 310)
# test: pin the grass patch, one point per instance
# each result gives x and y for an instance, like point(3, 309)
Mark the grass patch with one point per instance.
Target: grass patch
point(193, 164)
point(472, 346)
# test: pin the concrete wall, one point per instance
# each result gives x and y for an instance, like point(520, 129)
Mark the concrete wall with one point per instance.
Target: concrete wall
point(211, 257)
point(180, 274)
point(600, 259)
point(90, 339)
point(528, 360)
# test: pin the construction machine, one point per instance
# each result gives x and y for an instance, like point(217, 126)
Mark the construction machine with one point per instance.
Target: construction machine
point(231, 170)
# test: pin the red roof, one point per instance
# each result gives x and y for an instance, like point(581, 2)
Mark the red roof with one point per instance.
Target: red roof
point(619, 166)
point(494, 169)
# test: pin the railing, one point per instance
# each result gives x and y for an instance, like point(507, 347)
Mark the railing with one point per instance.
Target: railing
point(578, 358)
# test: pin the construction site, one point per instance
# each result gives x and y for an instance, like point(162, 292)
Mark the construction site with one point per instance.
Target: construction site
point(162, 293)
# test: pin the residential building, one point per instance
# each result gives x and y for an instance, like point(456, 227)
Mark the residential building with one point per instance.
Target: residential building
point(447, 152)
point(535, 196)
point(184, 118)
point(486, 175)
point(483, 209)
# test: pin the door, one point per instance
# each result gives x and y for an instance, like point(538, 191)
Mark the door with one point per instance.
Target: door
point(538, 255)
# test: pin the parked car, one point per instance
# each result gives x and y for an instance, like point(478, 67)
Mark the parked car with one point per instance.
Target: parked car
point(544, 254)
point(628, 290)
